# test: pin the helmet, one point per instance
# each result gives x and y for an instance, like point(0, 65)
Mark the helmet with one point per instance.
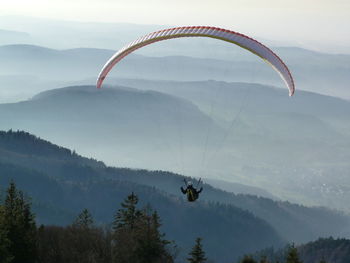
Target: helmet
point(189, 183)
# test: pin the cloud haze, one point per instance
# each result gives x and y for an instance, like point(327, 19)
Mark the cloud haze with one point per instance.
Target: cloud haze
point(318, 26)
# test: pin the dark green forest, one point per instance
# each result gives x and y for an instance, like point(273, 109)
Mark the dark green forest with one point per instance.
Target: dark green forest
point(61, 184)
point(133, 236)
point(322, 250)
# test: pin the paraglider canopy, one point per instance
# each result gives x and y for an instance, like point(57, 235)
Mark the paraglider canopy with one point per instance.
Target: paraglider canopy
point(241, 40)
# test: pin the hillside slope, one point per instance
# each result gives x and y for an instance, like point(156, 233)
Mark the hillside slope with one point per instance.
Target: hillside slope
point(328, 250)
point(313, 71)
point(88, 178)
point(306, 138)
point(62, 183)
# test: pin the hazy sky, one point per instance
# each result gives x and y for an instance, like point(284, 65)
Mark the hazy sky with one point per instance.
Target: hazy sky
point(319, 23)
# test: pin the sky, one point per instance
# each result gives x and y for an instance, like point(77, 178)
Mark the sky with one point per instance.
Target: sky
point(321, 25)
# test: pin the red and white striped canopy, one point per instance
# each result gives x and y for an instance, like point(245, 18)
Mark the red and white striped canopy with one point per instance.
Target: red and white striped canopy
point(203, 31)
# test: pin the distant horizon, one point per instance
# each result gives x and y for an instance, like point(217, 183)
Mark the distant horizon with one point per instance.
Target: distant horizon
point(344, 50)
point(148, 55)
point(318, 27)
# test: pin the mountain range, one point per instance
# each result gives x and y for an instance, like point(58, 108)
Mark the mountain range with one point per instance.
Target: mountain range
point(275, 168)
point(62, 183)
point(43, 68)
point(204, 129)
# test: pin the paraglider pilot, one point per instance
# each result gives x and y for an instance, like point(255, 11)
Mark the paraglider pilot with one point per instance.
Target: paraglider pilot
point(191, 192)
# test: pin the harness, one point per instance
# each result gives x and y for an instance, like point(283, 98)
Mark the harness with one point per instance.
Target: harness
point(191, 195)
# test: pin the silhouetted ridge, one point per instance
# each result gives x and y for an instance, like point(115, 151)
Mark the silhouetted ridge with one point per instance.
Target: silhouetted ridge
point(25, 143)
point(62, 186)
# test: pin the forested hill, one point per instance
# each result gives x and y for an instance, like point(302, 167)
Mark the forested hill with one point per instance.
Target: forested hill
point(61, 187)
point(62, 183)
point(23, 145)
point(327, 250)
point(138, 127)
point(27, 144)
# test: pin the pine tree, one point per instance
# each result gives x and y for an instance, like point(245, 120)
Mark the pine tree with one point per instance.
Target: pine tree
point(5, 256)
point(151, 245)
point(19, 223)
point(84, 220)
point(136, 235)
point(128, 214)
point(125, 225)
point(292, 256)
point(197, 254)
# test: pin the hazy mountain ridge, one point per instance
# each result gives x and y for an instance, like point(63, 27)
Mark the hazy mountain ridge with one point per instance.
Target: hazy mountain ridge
point(240, 189)
point(321, 250)
point(12, 37)
point(169, 133)
point(71, 179)
point(328, 249)
point(111, 35)
point(157, 115)
point(51, 64)
point(118, 105)
point(322, 73)
point(305, 126)
point(64, 187)
point(11, 33)
point(228, 94)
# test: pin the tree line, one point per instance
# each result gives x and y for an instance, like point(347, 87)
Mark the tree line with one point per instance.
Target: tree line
point(134, 236)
